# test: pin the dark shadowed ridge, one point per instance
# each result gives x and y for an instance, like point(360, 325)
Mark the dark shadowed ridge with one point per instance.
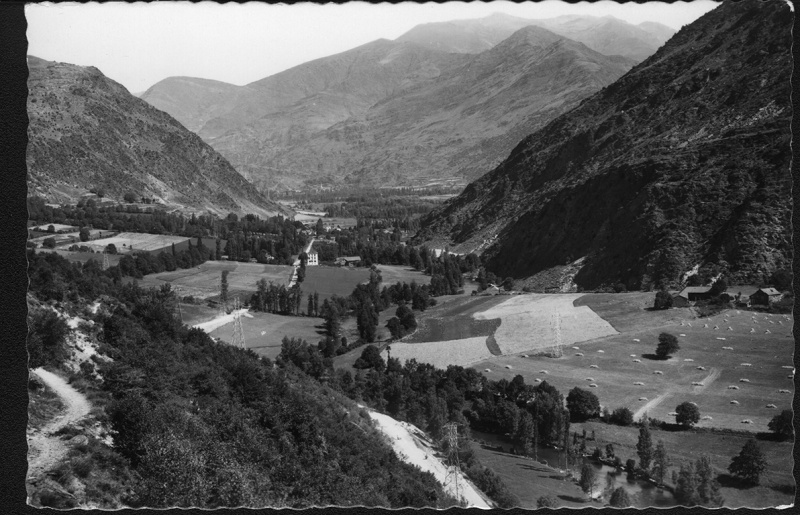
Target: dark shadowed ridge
point(683, 161)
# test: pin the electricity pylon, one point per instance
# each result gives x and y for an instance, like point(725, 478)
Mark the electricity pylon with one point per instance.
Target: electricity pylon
point(453, 462)
point(238, 332)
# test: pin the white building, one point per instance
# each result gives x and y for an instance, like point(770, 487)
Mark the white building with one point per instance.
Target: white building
point(313, 259)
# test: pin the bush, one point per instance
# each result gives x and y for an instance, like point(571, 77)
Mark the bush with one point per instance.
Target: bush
point(622, 417)
point(582, 404)
point(49, 243)
point(663, 300)
point(546, 501)
point(129, 197)
point(749, 464)
point(620, 498)
point(781, 424)
point(667, 345)
point(687, 414)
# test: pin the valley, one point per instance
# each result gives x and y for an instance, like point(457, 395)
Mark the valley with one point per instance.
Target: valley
point(494, 262)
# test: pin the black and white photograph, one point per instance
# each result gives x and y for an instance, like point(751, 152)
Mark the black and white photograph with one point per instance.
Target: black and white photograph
point(414, 255)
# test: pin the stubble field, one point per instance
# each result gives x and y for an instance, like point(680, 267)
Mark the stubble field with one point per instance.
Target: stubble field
point(203, 280)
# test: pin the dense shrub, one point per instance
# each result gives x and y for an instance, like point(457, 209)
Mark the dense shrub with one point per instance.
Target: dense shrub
point(622, 417)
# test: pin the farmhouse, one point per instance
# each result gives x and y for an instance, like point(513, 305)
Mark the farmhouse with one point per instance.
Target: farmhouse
point(765, 296)
point(691, 294)
point(348, 261)
point(313, 259)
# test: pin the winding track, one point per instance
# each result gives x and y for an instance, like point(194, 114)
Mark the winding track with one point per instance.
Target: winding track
point(710, 378)
point(44, 449)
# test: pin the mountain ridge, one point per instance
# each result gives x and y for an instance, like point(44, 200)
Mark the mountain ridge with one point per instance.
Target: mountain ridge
point(691, 147)
point(87, 131)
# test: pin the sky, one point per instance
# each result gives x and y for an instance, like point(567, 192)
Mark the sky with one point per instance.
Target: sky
point(139, 44)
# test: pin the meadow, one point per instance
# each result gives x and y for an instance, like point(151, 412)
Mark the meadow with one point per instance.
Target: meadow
point(132, 241)
point(328, 281)
point(263, 332)
point(392, 274)
point(203, 280)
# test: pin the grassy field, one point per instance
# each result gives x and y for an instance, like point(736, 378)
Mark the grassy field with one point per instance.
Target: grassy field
point(203, 280)
point(263, 332)
point(83, 257)
point(628, 312)
point(392, 274)
point(131, 242)
point(683, 447)
point(615, 370)
point(328, 280)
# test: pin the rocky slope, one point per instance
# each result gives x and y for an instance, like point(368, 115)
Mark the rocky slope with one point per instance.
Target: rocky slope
point(395, 113)
point(683, 161)
point(607, 35)
point(86, 131)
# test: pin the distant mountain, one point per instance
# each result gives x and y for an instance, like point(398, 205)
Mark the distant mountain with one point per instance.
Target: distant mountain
point(87, 131)
point(682, 162)
point(463, 122)
point(607, 35)
point(394, 112)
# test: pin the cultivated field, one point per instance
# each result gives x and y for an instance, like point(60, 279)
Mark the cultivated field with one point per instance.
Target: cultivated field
point(327, 280)
point(203, 280)
point(132, 241)
point(531, 322)
point(462, 352)
point(263, 332)
point(392, 274)
point(83, 257)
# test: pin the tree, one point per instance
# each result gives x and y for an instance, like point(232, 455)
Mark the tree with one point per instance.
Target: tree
point(129, 197)
point(749, 464)
point(84, 234)
point(667, 345)
point(660, 462)
point(686, 488)
point(610, 451)
point(719, 287)
point(644, 447)
point(320, 227)
point(546, 501)
point(370, 358)
point(781, 424)
point(663, 300)
point(622, 417)
point(49, 243)
point(582, 404)
point(51, 229)
point(687, 414)
point(781, 279)
point(588, 478)
point(620, 498)
point(707, 486)
point(111, 248)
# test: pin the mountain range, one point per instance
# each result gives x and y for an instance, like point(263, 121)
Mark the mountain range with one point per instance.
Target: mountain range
point(681, 163)
point(87, 131)
point(410, 111)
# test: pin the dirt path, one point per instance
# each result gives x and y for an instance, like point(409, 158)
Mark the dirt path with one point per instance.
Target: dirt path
point(44, 449)
point(710, 378)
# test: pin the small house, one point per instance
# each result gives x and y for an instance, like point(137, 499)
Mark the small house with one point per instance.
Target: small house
point(679, 301)
point(313, 259)
point(765, 296)
point(348, 260)
point(692, 294)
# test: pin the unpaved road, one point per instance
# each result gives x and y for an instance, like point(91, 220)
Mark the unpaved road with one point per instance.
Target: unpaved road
point(710, 378)
point(44, 449)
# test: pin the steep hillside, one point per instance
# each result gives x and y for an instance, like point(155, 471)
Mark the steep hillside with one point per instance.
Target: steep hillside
point(464, 122)
point(684, 161)
point(87, 131)
point(607, 35)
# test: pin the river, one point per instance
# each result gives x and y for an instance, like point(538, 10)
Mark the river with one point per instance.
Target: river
point(643, 494)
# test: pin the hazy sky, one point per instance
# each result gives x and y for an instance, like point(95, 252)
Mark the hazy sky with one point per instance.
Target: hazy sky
point(140, 44)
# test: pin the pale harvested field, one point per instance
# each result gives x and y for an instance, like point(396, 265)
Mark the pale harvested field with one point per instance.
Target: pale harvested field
point(441, 354)
point(530, 322)
point(139, 241)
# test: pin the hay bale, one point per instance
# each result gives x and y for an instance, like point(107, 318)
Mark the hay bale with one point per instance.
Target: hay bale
point(707, 417)
point(718, 338)
point(693, 403)
point(576, 348)
point(538, 380)
point(601, 351)
point(638, 383)
point(633, 355)
point(487, 369)
point(524, 355)
point(590, 378)
point(579, 353)
point(734, 402)
point(672, 414)
point(688, 359)
point(637, 340)
point(508, 367)
point(744, 380)
point(642, 398)
point(637, 361)
point(592, 385)
point(658, 372)
point(747, 421)
point(697, 383)
point(784, 391)
point(544, 372)
point(745, 364)
point(682, 335)
point(733, 387)
point(701, 368)
point(593, 366)
point(771, 406)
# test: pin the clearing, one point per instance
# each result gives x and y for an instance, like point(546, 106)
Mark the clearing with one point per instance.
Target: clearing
point(134, 241)
point(329, 280)
point(263, 332)
point(393, 274)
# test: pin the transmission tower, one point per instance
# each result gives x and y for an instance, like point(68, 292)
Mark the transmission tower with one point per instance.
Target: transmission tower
point(454, 465)
point(238, 332)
